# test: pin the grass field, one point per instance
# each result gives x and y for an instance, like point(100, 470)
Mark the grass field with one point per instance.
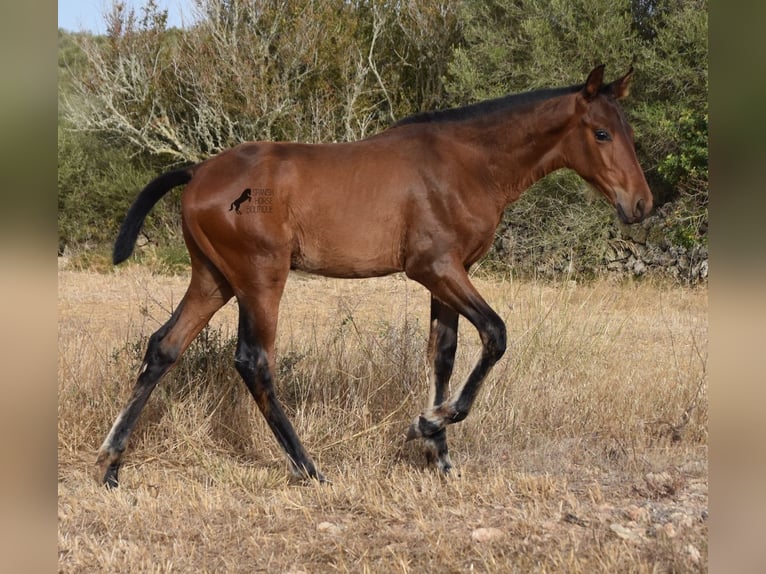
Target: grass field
point(586, 450)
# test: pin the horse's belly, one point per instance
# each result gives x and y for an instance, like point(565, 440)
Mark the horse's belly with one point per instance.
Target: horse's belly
point(353, 255)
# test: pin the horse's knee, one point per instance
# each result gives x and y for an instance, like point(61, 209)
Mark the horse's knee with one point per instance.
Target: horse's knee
point(159, 356)
point(244, 363)
point(252, 364)
point(495, 340)
point(249, 359)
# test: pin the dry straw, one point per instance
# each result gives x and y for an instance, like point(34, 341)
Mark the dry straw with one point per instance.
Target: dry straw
point(586, 450)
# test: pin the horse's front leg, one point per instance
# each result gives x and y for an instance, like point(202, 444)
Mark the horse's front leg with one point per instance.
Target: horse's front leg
point(442, 344)
point(453, 293)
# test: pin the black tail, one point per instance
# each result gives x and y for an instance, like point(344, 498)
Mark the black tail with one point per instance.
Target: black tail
point(134, 220)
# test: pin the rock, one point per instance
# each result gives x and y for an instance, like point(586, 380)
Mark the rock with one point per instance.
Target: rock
point(625, 533)
point(666, 259)
point(636, 233)
point(614, 266)
point(662, 484)
point(329, 527)
point(703, 269)
point(636, 513)
point(694, 554)
point(682, 519)
point(486, 534)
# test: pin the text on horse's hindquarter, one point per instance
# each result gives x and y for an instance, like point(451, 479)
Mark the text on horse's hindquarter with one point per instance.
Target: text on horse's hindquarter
point(260, 200)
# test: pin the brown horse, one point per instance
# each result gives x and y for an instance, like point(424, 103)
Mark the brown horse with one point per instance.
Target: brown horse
point(423, 197)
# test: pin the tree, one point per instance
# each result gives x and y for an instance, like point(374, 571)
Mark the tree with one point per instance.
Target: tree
point(144, 97)
point(303, 70)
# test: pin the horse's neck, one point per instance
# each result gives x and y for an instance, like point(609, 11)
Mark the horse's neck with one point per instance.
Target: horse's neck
point(522, 146)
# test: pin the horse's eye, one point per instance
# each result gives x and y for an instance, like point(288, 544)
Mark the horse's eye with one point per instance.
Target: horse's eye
point(603, 136)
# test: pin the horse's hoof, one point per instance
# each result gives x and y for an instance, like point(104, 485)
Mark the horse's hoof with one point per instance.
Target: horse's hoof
point(437, 453)
point(444, 464)
point(322, 479)
point(110, 476)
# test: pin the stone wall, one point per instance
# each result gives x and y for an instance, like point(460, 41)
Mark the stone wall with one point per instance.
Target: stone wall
point(645, 249)
point(600, 246)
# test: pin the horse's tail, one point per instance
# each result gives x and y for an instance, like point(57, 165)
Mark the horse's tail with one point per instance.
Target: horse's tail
point(134, 220)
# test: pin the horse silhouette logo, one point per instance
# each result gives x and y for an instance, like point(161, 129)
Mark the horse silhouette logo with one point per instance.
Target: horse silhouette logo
point(240, 200)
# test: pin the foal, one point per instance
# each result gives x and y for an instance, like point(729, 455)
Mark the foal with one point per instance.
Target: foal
point(423, 197)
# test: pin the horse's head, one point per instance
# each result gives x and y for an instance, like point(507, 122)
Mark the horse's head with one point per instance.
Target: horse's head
point(600, 148)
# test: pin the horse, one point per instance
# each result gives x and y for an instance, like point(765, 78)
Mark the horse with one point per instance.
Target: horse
point(422, 197)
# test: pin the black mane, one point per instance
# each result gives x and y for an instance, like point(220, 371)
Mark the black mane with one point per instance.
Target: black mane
point(479, 109)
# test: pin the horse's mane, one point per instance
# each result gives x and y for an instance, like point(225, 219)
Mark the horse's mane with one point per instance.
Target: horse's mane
point(486, 107)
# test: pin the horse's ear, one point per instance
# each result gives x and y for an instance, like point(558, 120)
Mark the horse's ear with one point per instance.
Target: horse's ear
point(594, 82)
point(621, 87)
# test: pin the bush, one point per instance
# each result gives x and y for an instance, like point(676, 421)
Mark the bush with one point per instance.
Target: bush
point(520, 45)
point(301, 70)
point(559, 227)
point(97, 182)
point(144, 98)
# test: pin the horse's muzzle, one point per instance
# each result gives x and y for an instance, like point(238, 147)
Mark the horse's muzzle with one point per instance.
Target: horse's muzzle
point(638, 213)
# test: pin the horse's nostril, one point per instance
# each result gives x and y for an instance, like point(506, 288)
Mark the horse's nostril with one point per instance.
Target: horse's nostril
point(640, 208)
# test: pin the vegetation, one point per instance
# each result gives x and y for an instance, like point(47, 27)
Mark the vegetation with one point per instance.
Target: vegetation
point(143, 98)
point(515, 45)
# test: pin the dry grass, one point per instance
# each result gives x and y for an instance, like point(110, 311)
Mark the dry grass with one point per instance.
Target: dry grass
point(585, 452)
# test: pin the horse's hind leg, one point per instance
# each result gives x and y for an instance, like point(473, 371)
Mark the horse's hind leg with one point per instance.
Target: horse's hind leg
point(442, 344)
point(207, 293)
point(258, 311)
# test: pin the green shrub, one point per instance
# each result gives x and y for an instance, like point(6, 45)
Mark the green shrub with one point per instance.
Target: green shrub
point(558, 227)
point(520, 45)
point(97, 182)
